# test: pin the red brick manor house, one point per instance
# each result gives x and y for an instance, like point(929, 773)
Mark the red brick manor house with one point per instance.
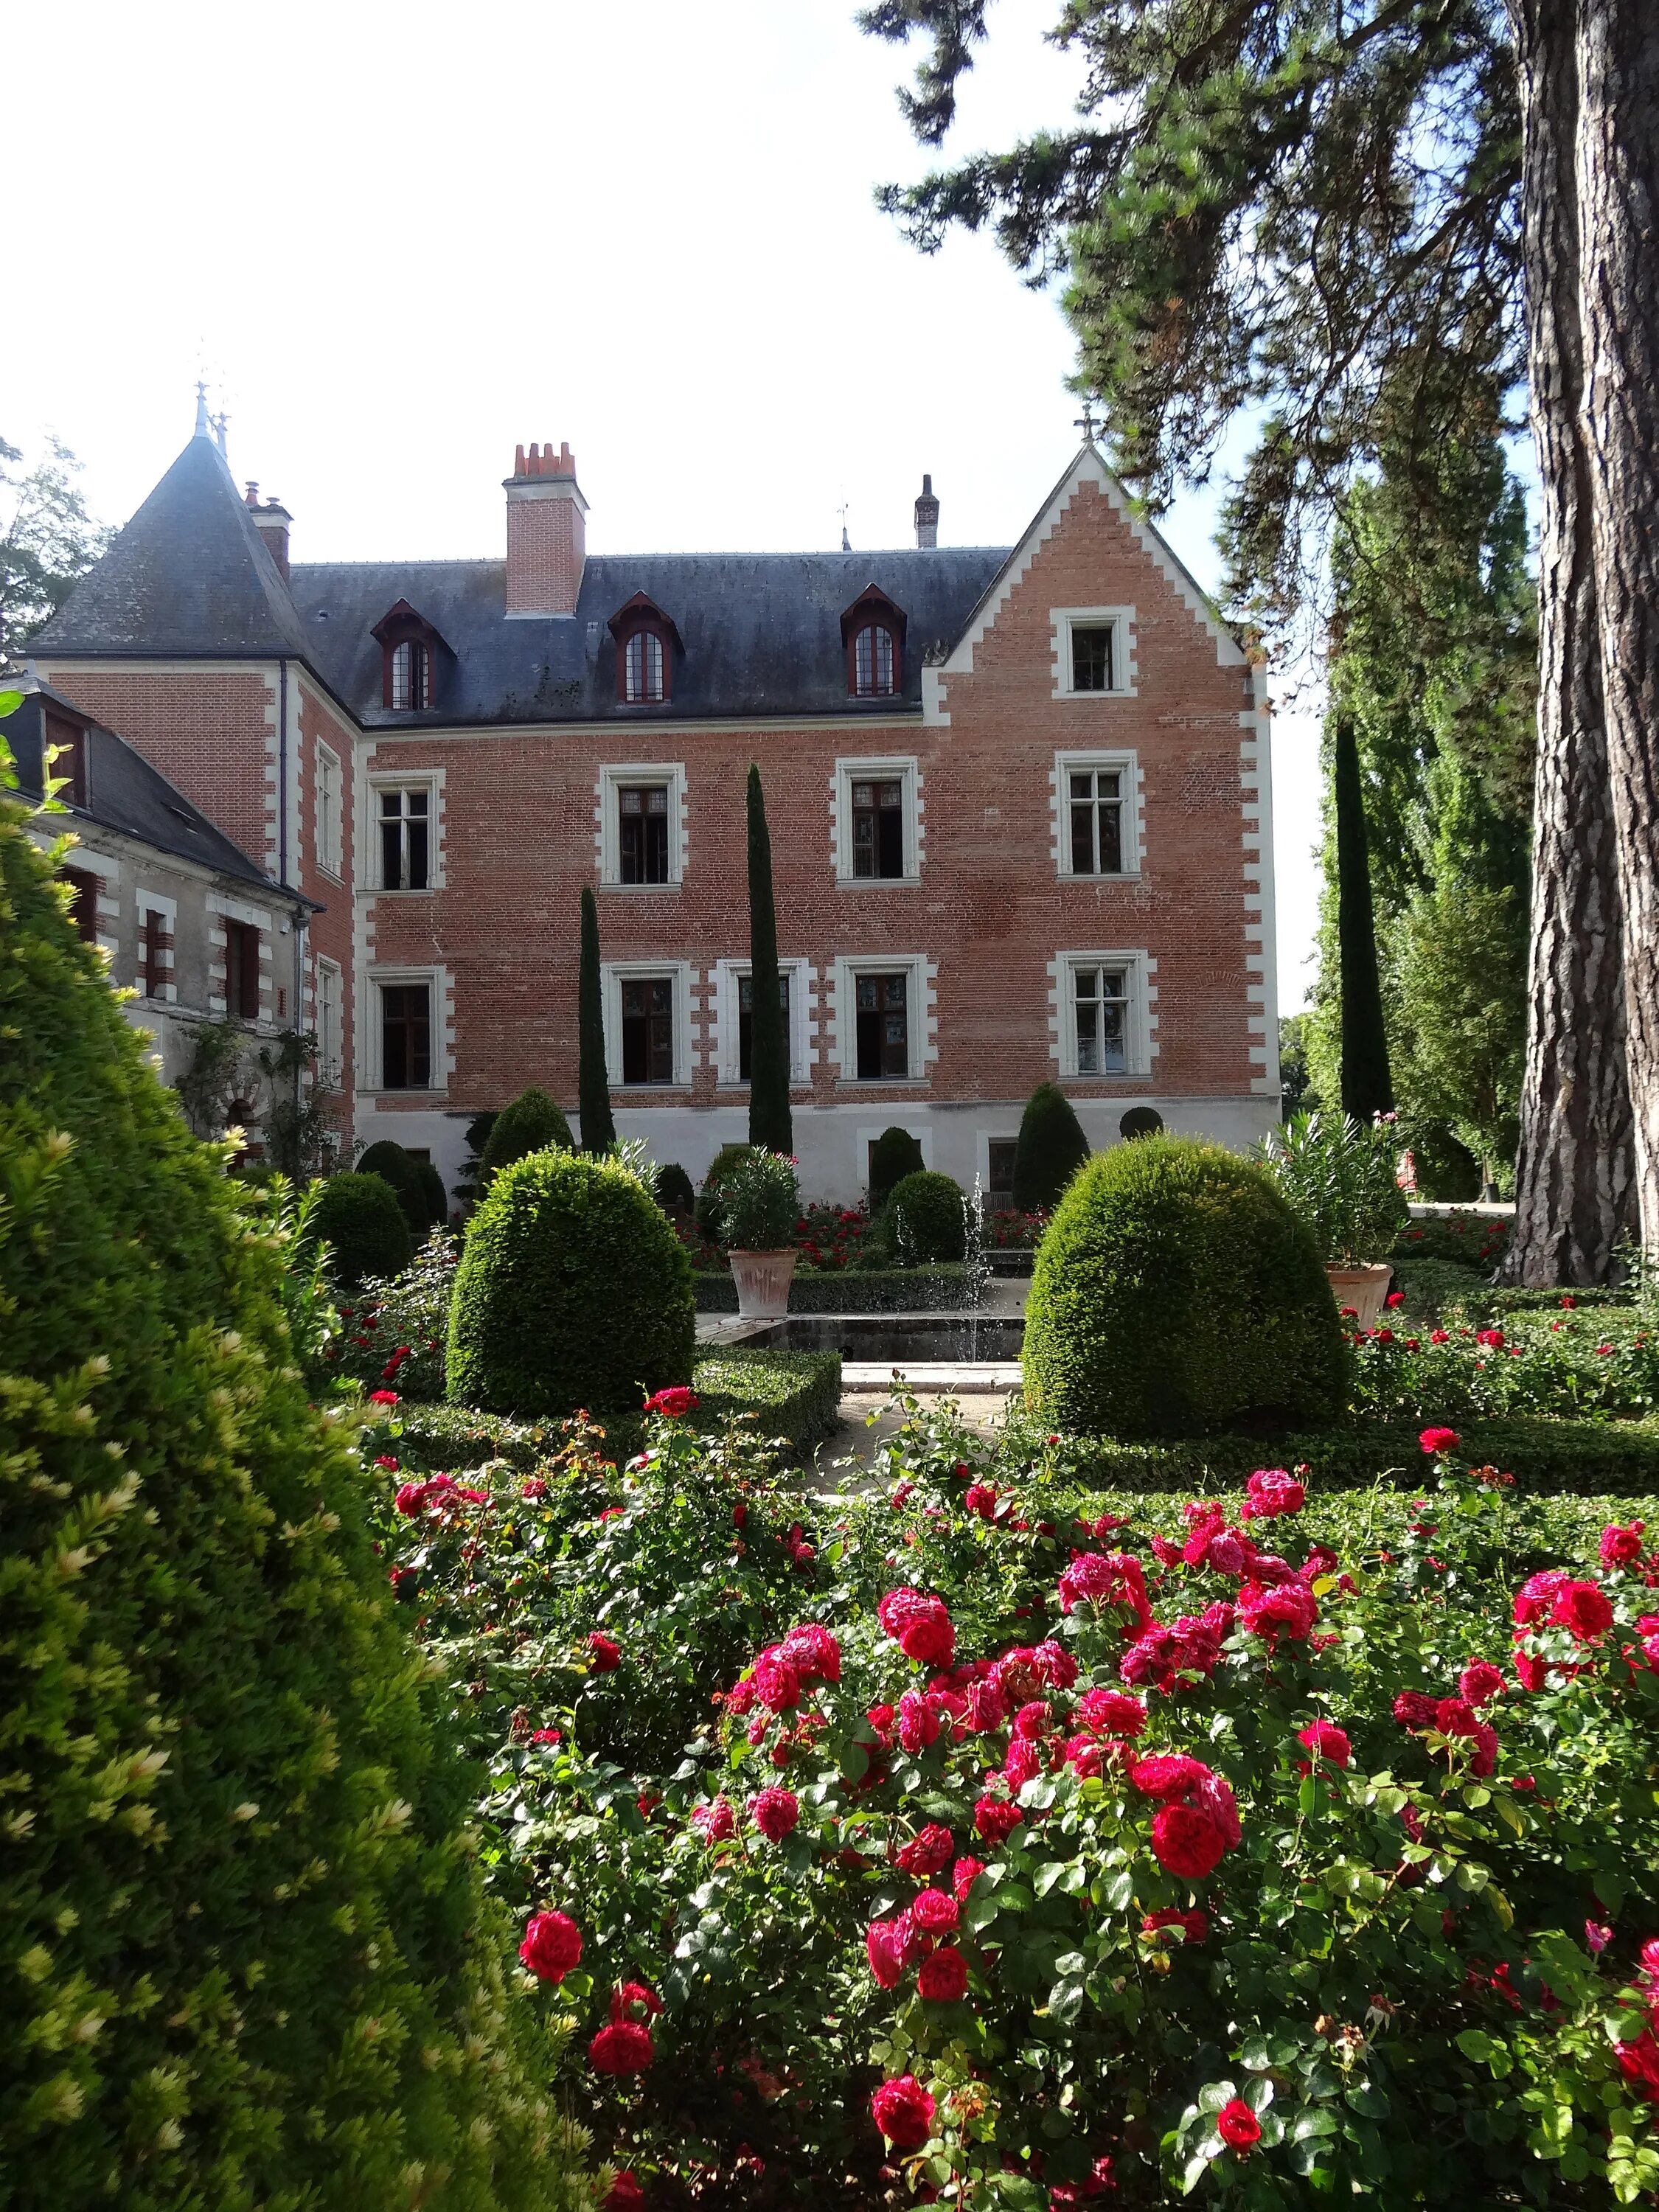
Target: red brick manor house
point(1019, 796)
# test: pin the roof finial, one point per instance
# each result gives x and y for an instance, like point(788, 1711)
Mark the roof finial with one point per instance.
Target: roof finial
point(202, 427)
point(1085, 421)
point(846, 541)
point(219, 423)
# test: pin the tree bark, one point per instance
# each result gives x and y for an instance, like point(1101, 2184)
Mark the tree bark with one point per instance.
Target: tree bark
point(1617, 181)
point(1574, 1174)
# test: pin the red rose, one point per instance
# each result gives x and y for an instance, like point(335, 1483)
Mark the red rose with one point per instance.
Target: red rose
point(925, 1854)
point(1328, 1741)
point(903, 2111)
point(943, 1978)
point(1414, 1710)
point(1480, 1682)
point(1194, 1926)
point(996, 1817)
point(1187, 1841)
point(776, 1683)
point(715, 1822)
point(1582, 1607)
point(382, 1398)
point(962, 1877)
point(1434, 1441)
point(1280, 1609)
point(1620, 1546)
point(1167, 1775)
point(1237, 2125)
point(919, 1625)
point(673, 1403)
point(625, 2194)
point(546, 1736)
point(1270, 1491)
point(411, 1499)
point(1111, 1713)
point(980, 1498)
point(813, 1653)
point(533, 1489)
point(604, 1653)
point(775, 1812)
point(918, 1724)
point(935, 1913)
point(622, 2047)
point(883, 1945)
point(1638, 2062)
point(552, 1945)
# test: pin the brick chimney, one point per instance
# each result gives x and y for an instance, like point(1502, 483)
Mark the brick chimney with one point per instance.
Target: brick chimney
point(272, 521)
point(546, 534)
point(926, 514)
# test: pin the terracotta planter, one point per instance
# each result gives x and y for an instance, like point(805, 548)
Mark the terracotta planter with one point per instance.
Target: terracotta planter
point(1363, 1288)
point(762, 1279)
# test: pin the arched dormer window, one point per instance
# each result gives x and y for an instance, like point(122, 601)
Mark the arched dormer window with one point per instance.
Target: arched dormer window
point(872, 630)
point(410, 648)
point(647, 642)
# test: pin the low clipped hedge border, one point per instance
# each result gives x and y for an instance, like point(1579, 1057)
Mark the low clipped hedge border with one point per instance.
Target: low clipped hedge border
point(1588, 1459)
point(794, 1395)
point(943, 1289)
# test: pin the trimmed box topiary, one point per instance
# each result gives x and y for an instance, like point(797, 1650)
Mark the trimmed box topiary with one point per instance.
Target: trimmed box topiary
point(361, 1220)
point(1176, 1292)
point(895, 1154)
point(674, 1192)
point(395, 1167)
point(927, 1218)
point(1050, 1150)
point(573, 1291)
point(531, 1123)
point(249, 1957)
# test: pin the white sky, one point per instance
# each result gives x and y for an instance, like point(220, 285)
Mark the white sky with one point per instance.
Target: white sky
point(401, 240)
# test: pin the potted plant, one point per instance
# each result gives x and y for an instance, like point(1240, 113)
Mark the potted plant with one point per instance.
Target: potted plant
point(1339, 1175)
point(760, 1205)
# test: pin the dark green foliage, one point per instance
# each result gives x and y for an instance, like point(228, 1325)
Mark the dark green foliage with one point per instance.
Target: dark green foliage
point(573, 1291)
point(769, 1122)
point(1051, 1149)
point(674, 1191)
point(895, 1154)
point(938, 1289)
point(1366, 1090)
point(592, 1082)
point(478, 1136)
point(1176, 1292)
point(927, 1218)
point(396, 1168)
point(360, 1217)
point(530, 1124)
point(247, 1960)
point(708, 1197)
point(437, 1198)
point(50, 540)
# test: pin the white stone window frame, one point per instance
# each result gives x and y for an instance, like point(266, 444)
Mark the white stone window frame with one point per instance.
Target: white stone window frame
point(107, 900)
point(1140, 1024)
point(922, 1016)
point(984, 1139)
point(331, 1063)
point(441, 1030)
point(1126, 762)
point(802, 1022)
point(1063, 621)
point(607, 824)
point(873, 768)
point(430, 779)
point(146, 903)
point(222, 908)
point(331, 852)
point(613, 974)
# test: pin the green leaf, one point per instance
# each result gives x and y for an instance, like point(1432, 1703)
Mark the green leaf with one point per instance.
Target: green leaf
point(1047, 1876)
point(1474, 2043)
point(1254, 2055)
point(1313, 2120)
point(1214, 2095)
point(1065, 2001)
point(1363, 2097)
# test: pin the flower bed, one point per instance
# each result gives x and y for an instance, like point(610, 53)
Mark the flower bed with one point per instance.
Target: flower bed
point(1601, 1363)
point(936, 1843)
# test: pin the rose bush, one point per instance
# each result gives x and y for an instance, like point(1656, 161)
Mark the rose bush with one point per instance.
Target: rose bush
point(1018, 1855)
point(1596, 1363)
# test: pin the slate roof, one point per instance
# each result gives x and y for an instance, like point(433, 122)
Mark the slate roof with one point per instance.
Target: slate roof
point(126, 793)
point(190, 576)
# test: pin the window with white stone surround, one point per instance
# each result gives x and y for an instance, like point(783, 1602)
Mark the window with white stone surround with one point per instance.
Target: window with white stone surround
point(407, 1036)
point(1101, 1013)
point(1095, 817)
point(641, 825)
point(329, 1053)
point(876, 824)
point(884, 1019)
point(330, 811)
point(734, 1014)
point(648, 1024)
point(1094, 651)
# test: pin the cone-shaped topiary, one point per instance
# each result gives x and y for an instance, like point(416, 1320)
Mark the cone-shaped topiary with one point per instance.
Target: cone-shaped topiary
point(573, 1291)
point(771, 1126)
point(530, 1124)
point(1176, 1292)
point(248, 1960)
point(394, 1166)
point(895, 1154)
point(1051, 1149)
point(927, 1218)
point(437, 1198)
point(361, 1219)
point(592, 1078)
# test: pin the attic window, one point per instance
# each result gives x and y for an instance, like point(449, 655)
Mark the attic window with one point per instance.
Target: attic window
point(872, 631)
point(67, 767)
point(409, 649)
point(642, 669)
point(411, 676)
point(645, 644)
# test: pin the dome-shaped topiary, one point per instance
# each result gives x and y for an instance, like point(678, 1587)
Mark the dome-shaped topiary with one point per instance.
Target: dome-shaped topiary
point(707, 1208)
point(927, 1218)
point(674, 1191)
point(531, 1124)
point(360, 1217)
point(895, 1154)
point(573, 1291)
point(402, 1171)
point(248, 1959)
point(1050, 1150)
point(1175, 1293)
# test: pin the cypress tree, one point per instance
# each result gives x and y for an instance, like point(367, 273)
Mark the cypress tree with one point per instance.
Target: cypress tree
point(1367, 1088)
point(592, 1086)
point(769, 1122)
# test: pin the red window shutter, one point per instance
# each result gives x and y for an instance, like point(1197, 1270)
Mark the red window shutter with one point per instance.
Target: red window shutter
point(250, 952)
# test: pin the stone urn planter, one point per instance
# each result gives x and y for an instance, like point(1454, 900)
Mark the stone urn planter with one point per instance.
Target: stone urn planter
point(1363, 1288)
point(762, 1279)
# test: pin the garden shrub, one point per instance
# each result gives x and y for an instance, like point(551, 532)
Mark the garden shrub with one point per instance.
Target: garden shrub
point(437, 1198)
point(1175, 1293)
point(530, 1124)
point(674, 1192)
point(247, 1957)
point(394, 1333)
point(365, 1226)
point(1601, 1363)
point(573, 1291)
point(707, 1208)
point(1478, 1240)
point(927, 1218)
point(396, 1168)
point(1050, 1149)
point(1429, 1286)
point(895, 1154)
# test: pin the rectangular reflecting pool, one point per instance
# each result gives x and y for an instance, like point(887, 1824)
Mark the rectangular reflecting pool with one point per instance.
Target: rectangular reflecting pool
point(899, 1340)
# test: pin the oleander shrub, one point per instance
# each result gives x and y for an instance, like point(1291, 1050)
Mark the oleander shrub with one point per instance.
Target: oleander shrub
point(246, 1957)
point(530, 1124)
point(1050, 1149)
point(927, 1218)
point(365, 1229)
point(1175, 1293)
point(675, 1194)
point(573, 1291)
point(895, 1154)
point(402, 1173)
point(708, 1207)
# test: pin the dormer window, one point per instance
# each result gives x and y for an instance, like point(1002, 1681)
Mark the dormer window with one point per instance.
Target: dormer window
point(409, 648)
point(411, 676)
point(647, 641)
point(872, 630)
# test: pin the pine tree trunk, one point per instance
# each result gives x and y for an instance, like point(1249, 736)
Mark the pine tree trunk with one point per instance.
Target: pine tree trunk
point(1574, 1170)
point(592, 1085)
point(769, 1122)
point(1367, 1087)
point(1618, 178)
